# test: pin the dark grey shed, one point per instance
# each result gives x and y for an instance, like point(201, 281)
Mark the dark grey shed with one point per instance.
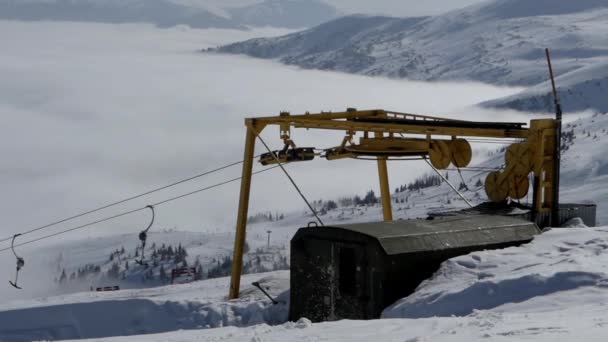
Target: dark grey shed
point(355, 271)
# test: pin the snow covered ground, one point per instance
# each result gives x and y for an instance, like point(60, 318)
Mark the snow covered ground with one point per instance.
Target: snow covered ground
point(553, 288)
point(199, 305)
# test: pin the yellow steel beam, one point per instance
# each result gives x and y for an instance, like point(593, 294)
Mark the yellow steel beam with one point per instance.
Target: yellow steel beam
point(407, 129)
point(324, 115)
point(385, 191)
point(387, 127)
point(241, 223)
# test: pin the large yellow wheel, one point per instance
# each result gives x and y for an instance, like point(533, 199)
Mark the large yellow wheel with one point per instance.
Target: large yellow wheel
point(440, 154)
point(518, 156)
point(461, 152)
point(518, 187)
point(496, 191)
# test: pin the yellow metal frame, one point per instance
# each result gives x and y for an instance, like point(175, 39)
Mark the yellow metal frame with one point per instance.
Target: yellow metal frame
point(385, 125)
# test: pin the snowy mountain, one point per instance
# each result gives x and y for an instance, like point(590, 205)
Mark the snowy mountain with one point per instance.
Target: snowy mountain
point(499, 42)
point(284, 13)
point(167, 13)
point(581, 89)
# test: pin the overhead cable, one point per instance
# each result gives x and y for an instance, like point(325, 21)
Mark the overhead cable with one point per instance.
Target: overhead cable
point(109, 205)
point(134, 210)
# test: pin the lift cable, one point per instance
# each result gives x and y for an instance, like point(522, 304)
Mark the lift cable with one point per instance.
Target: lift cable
point(109, 205)
point(448, 182)
point(134, 210)
point(288, 176)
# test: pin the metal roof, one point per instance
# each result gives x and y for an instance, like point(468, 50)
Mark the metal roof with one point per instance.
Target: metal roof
point(442, 233)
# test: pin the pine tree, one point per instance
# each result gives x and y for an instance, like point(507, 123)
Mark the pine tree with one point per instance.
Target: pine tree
point(162, 274)
point(199, 273)
point(63, 277)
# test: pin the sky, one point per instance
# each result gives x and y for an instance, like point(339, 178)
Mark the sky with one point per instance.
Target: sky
point(405, 8)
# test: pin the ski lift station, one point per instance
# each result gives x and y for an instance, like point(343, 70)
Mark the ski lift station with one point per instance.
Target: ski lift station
point(355, 271)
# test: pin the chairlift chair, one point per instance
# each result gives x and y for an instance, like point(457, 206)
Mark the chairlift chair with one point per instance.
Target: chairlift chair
point(20, 263)
point(143, 236)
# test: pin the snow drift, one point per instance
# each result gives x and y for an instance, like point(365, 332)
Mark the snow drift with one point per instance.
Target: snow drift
point(560, 260)
point(197, 305)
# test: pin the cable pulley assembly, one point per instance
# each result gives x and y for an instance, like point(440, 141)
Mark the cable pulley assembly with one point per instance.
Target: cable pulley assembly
point(20, 263)
point(143, 236)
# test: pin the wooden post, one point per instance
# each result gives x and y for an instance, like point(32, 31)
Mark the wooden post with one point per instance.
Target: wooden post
point(385, 191)
point(241, 222)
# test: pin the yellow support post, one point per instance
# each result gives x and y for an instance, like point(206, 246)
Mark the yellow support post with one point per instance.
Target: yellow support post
point(385, 191)
point(241, 222)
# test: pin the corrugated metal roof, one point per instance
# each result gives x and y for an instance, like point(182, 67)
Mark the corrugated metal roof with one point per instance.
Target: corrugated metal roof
point(442, 233)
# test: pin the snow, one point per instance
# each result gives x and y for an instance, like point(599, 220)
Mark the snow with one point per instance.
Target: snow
point(498, 42)
point(561, 260)
point(553, 288)
point(471, 43)
point(129, 312)
point(581, 89)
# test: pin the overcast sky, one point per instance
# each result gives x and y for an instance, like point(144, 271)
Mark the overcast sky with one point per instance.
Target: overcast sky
point(384, 7)
point(400, 7)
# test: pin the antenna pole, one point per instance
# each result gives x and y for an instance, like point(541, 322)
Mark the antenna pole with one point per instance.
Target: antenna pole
point(558, 141)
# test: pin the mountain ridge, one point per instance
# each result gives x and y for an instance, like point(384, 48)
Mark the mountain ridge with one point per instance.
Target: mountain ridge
point(499, 42)
point(167, 13)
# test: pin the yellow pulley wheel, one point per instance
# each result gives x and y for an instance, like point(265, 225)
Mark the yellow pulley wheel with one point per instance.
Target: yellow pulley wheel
point(518, 157)
point(518, 187)
point(496, 191)
point(440, 154)
point(461, 152)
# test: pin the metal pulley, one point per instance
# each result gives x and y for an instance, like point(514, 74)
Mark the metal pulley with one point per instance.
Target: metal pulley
point(518, 158)
point(440, 154)
point(496, 189)
point(461, 152)
point(288, 155)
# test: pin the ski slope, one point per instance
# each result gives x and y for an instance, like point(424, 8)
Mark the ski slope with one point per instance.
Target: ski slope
point(514, 294)
point(584, 175)
point(553, 288)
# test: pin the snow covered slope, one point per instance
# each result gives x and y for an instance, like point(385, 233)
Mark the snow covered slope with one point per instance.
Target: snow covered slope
point(553, 288)
point(517, 293)
point(581, 89)
point(499, 42)
point(561, 260)
point(199, 305)
point(100, 261)
point(284, 13)
point(165, 13)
